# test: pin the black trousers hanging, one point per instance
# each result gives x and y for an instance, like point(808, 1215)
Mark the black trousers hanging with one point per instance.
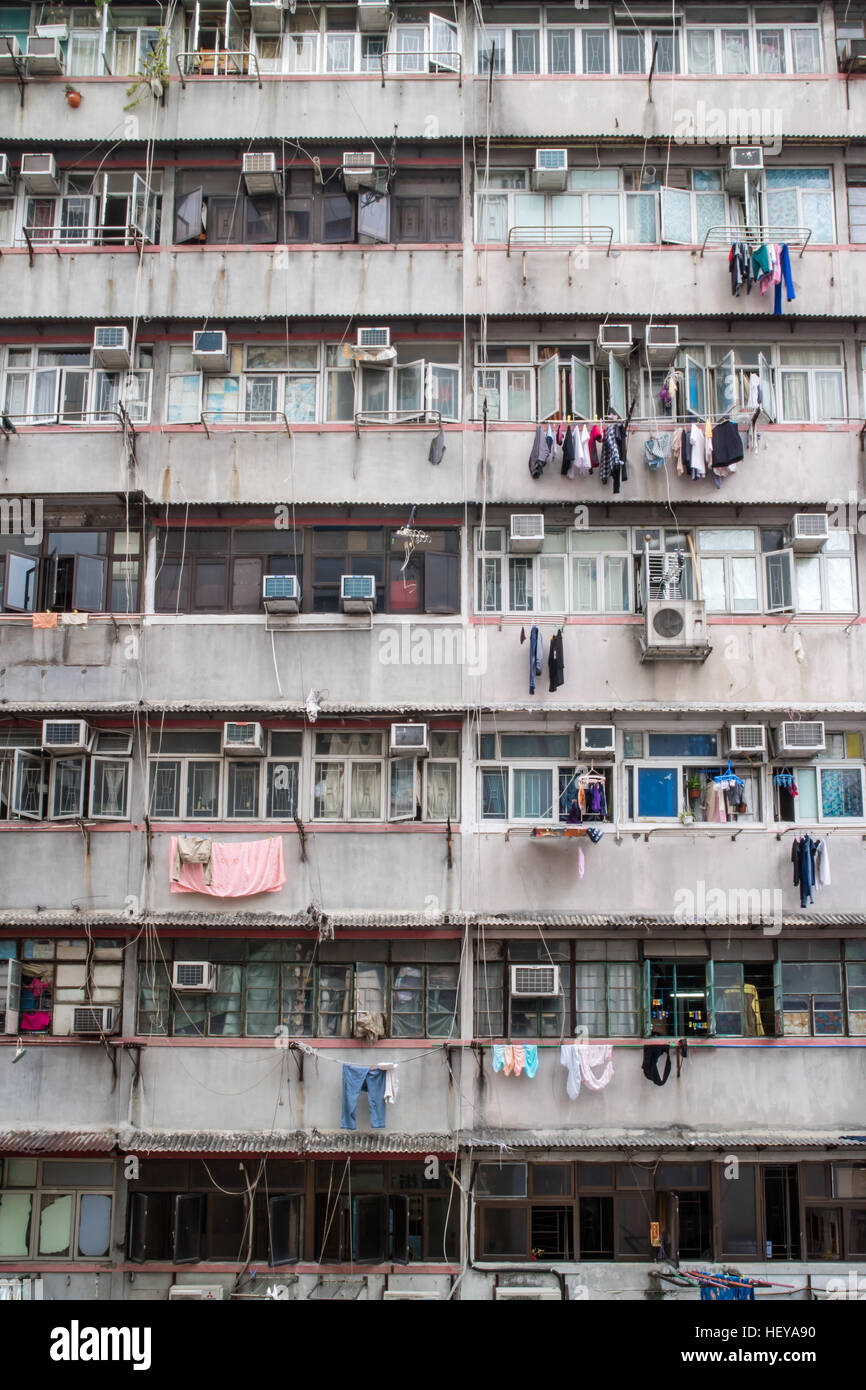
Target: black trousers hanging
point(652, 1055)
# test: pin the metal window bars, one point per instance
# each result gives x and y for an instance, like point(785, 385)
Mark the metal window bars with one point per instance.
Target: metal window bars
point(721, 237)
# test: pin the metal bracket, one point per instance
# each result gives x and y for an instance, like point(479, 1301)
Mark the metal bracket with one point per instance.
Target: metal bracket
point(649, 84)
point(302, 837)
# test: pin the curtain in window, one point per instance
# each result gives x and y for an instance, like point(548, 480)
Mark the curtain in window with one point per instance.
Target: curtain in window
point(841, 791)
point(585, 583)
point(829, 401)
point(771, 50)
point(493, 794)
point(795, 395)
point(109, 791)
point(622, 980)
point(744, 577)
point(641, 217)
point(840, 593)
point(702, 50)
point(713, 584)
point(809, 583)
point(370, 988)
point(735, 51)
point(616, 584)
point(329, 791)
point(441, 791)
point(366, 791)
point(533, 792)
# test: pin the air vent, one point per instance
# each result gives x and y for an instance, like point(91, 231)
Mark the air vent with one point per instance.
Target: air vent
point(267, 16)
point(195, 1293)
point(534, 981)
point(260, 173)
point(810, 531)
point(675, 629)
point(614, 340)
point(374, 16)
point(597, 740)
point(551, 170)
point(109, 742)
point(243, 738)
point(44, 56)
point(409, 739)
point(527, 533)
point(358, 168)
point(745, 160)
point(374, 338)
point(662, 341)
point(10, 55)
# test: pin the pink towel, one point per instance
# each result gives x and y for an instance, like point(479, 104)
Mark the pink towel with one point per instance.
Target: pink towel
point(237, 870)
point(519, 1058)
point(508, 1053)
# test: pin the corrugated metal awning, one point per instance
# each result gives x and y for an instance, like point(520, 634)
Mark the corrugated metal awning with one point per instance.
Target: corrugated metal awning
point(38, 709)
point(53, 1141)
point(667, 1139)
point(150, 1141)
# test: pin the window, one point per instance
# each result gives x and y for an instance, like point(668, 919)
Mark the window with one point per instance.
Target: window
point(693, 202)
point(133, 42)
point(352, 780)
point(385, 1212)
point(498, 1014)
point(534, 777)
point(708, 793)
point(190, 780)
point(729, 569)
point(47, 386)
point(856, 177)
point(801, 198)
point(55, 977)
point(811, 989)
point(600, 571)
point(812, 383)
point(592, 578)
point(812, 583)
point(607, 988)
point(53, 1209)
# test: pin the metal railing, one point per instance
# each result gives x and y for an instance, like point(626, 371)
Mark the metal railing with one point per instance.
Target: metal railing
point(117, 415)
point(427, 63)
point(231, 419)
point(97, 234)
point(205, 63)
point(594, 234)
point(754, 234)
point(397, 418)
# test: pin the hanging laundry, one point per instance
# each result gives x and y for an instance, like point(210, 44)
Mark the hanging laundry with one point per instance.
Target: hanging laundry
point(568, 452)
point(542, 448)
point(555, 661)
point(697, 452)
point(652, 1055)
point(498, 1056)
point(237, 870)
point(356, 1080)
point(391, 1083)
point(192, 849)
point(531, 1050)
point(613, 461)
point(568, 1056)
point(370, 1026)
point(740, 263)
point(590, 1064)
point(580, 862)
point(582, 460)
point(595, 834)
point(727, 446)
point(437, 447)
point(596, 435)
point(803, 860)
point(755, 397)
point(536, 657)
point(822, 863)
point(508, 1058)
point(519, 1058)
point(784, 272)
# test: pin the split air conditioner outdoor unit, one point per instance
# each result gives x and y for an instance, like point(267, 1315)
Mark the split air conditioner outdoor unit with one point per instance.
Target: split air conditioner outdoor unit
point(662, 341)
point(799, 738)
point(675, 628)
point(358, 166)
point(614, 340)
point(66, 735)
point(539, 1295)
point(111, 347)
point(410, 740)
point(597, 740)
point(358, 593)
point(5, 172)
point(534, 981)
point(44, 56)
point(747, 738)
point(86, 1020)
point(260, 173)
point(527, 533)
point(267, 16)
point(244, 739)
point(39, 173)
point(210, 350)
point(195, 976)
point(373, 16)
point(281, 593)
point(810, 531)
point(10, 995)
point(195, 1293)
point(551, 170)
point(745, 159)
point(10, 55)
point(374, 338)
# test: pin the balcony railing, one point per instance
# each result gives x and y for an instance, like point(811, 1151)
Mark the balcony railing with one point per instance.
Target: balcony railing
point(396, 417)
point(755, 234)
point(231, 419)
point(240, 63)
point(429, 63)
point(97, 234)
point(594, 236)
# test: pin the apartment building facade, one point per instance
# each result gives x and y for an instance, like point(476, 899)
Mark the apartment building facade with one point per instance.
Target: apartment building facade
point(326, 331)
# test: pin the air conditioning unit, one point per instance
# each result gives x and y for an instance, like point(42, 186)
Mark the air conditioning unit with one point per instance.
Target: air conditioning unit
point(44, 56)
point(10, 995)
point(409, 1295)
point(39, 173)
point(745, 159)
point(281, 593)
point(614, 340)
point(551, 170)
point(358, 593)
point(195, 1293)
point(410, 740)
point(267, 16)
point(534, 981)
point(210, 350)
point(852, 55)
point(799, 737)
point(5, 172)
point(374, 338)
point(539, 1295)
point(747, 738)
point(10, 55)
point(195, 976)
point(358, 166)
point(87, 1020)
point(597, 740)
point(111, 347)
point(243, 739)
point(66, 735)
point(260, 173)
point(810, 531)
point(527, 533)
point(662, 341)
point(675, 628)
point(373, 16)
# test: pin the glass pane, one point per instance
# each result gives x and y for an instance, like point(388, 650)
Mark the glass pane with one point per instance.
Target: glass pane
point(841, 792)
point(94, 1225)
point(735, 51)
point(701, 45)
point(55, 1224)
point(533, 793)
point(501, 1180)
point(657, 792)
point(494, 798)
point(15, 1210)
point(366, 791)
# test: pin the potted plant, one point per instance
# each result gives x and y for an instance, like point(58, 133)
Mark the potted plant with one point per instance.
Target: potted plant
point(693, 786)
point(54, 21)
point(73, 97)
point(687, 817)
point(154, 75)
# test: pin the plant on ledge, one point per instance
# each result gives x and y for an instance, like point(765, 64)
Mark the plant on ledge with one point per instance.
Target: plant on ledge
point(154, 75)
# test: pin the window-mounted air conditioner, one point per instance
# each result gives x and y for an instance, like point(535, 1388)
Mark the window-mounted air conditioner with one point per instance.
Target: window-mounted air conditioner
point(614, 340)
point(87, 1020)
point(675, 628)
point(852, 55)
point(10, 55)
point(267, 16)
point(410, 740)
point(39, 173)
point(195, 1293)
point(527, 533)
point(10, 995)
point(358, 593)
point(597, 740)
point(799, 737)
point(534, 981)
point(210, 350)
point(551, 170)
point(662, 341)
point(196, 976)
point(44, 56)
point(539, 1295)
point(747, 738)
point(810, 531)
point(281, 593)
point(244, 739)
point(5, 172)
point(260, 173)
point(66, 735)
point(409, 1295)
point(744, 159)
point(373, 338)
point(111, 347)
point(358, 166)
point(373, 16)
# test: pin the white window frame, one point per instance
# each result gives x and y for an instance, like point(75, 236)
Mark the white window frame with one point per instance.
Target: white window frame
point(601, 557)
point(727, 557)
point(802, 219)
point(346, 761)
point(811, 373)
point(78, 760)
point(125, 763)
point(817, 765)
point(681, 767)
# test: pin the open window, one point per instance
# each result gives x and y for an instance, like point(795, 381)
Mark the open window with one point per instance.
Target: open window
point(617, 389)
point(75, 583)
point(402, 788)
point(142, 209)
point(28, 775)
point(369, 1229)
point(19, 588)
point(581, 389)
point(725, 380)
point(399, 1220)
point(149, 1224)
point(781, 581)
point(548, 388)
point(676, 216)
point(189, 217)
point(696, 387)
point(768, 391)
point(284, 1230)
point(374, 215)
point(187, 1229)
point(444, 45)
